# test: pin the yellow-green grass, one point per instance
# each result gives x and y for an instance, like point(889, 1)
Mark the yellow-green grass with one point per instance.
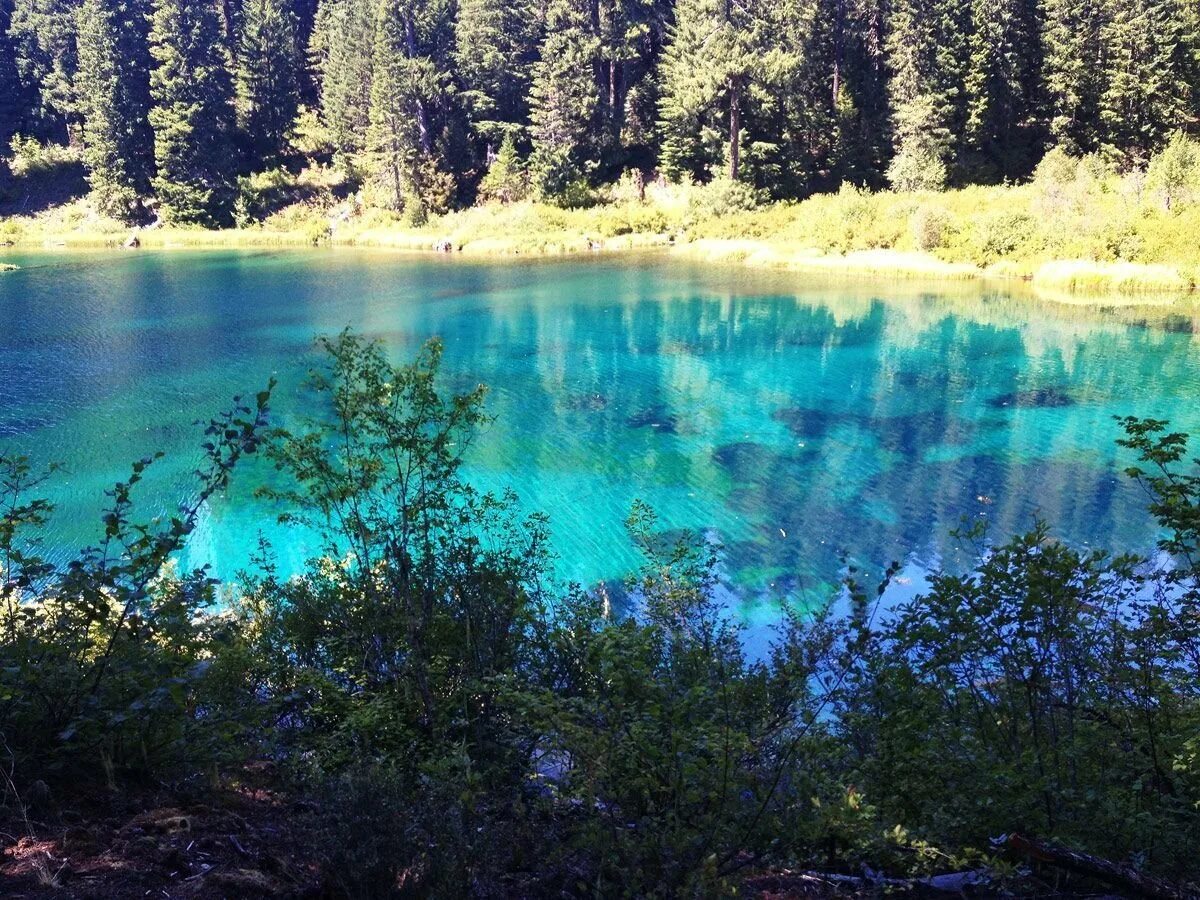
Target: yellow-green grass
point(1097, 235)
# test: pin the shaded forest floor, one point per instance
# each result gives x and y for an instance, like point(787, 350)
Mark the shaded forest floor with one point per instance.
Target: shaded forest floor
point(251, 839)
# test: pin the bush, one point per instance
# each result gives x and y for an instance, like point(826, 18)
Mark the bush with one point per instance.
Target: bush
point(928, 226)
point(469, 729)
point(720, 198)
point(100, 660)
point(1174, 174)
point(29, 157)
point(917, 168)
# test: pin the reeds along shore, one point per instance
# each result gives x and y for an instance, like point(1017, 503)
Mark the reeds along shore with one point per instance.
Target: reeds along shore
point(1073, 236)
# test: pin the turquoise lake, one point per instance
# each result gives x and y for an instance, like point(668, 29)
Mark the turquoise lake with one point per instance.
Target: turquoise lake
point(793, 421)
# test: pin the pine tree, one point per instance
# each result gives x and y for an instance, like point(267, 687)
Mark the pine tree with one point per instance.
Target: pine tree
point(343, 31)
point(1148, 73)
point(43, 34)
point(495, 48)
point(407, 88)
point(714, 57)
point(17, 102)
point(1000, 88)
point(193, 115)
point(926, 48)
point(113, 86)
point(564, 100)
point(505, 180)
point(630, 38)
point(268, 83)
point(1072, 72)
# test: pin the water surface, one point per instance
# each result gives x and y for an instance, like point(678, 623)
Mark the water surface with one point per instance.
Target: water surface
point(792, 421)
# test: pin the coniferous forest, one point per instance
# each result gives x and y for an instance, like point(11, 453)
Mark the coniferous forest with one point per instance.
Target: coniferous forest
point(434, 104)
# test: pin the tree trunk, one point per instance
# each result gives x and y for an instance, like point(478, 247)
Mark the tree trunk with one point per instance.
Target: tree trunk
point(410, 40)
point(735, 129)
point(839, 27)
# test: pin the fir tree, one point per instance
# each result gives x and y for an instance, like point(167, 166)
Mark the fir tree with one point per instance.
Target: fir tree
point(713, 59)
point(113, 86)
point(926, 47)
point(268, 84)
point(1072, 72)
point(564, 99)
point(1148, 73)
point(343, 32)
point(1000, 87)
point(495, 48)
point(43, 35)
point(406, 89)
point(505, 180)
point(193, 115)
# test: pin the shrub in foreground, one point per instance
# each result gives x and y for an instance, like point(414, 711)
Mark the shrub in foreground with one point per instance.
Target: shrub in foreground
point(466, 726)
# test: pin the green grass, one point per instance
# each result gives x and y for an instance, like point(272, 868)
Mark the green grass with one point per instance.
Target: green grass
point(1074, 230)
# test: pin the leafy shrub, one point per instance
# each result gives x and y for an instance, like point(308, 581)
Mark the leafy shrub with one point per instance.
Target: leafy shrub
point(721, 197)
point(1174, 174)
point(928, 226)
point(469, 728)
point(30, 157)
point(917, 168)
point(99, 659)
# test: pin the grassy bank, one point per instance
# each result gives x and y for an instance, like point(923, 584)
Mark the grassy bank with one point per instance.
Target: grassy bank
point(1072, 232)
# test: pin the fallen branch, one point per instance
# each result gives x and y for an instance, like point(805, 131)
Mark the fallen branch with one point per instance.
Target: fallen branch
point(1112, 873)
point(952, 883)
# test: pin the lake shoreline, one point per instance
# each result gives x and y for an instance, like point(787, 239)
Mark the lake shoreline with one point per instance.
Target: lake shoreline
point(1110, 283)
point(1003, 235)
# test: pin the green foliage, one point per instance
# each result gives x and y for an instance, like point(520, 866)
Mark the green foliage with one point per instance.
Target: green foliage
point(268, 77)
point(505, 180)
point(31, 157)
point(113, 85)
point(495, 49)
point(563, 104)
point(929, 225)
point(101, 659)
point(193, 114)
point(468, 727)
point(344, 28)
point(917, 167)
point(1174, 174)
point(407, 92)
point(43, 34)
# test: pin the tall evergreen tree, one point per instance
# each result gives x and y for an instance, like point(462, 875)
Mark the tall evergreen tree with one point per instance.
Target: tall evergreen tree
point(43, 34)
point(113, 87)
point(630, 37)
point(408, 93)
point(343, 32)
point(564, 98)
point(1001, 88)
point(16, 100)
point(268, 77)
point(193, 116)
point(1149, 77)
point(1073, 72)
point(495, 48)
point(927, 54)
point(713, 60)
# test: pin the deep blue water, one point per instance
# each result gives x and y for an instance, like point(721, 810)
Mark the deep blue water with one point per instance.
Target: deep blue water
point(790, 420)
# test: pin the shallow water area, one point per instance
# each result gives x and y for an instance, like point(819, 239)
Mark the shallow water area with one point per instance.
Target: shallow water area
point(794, 421)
